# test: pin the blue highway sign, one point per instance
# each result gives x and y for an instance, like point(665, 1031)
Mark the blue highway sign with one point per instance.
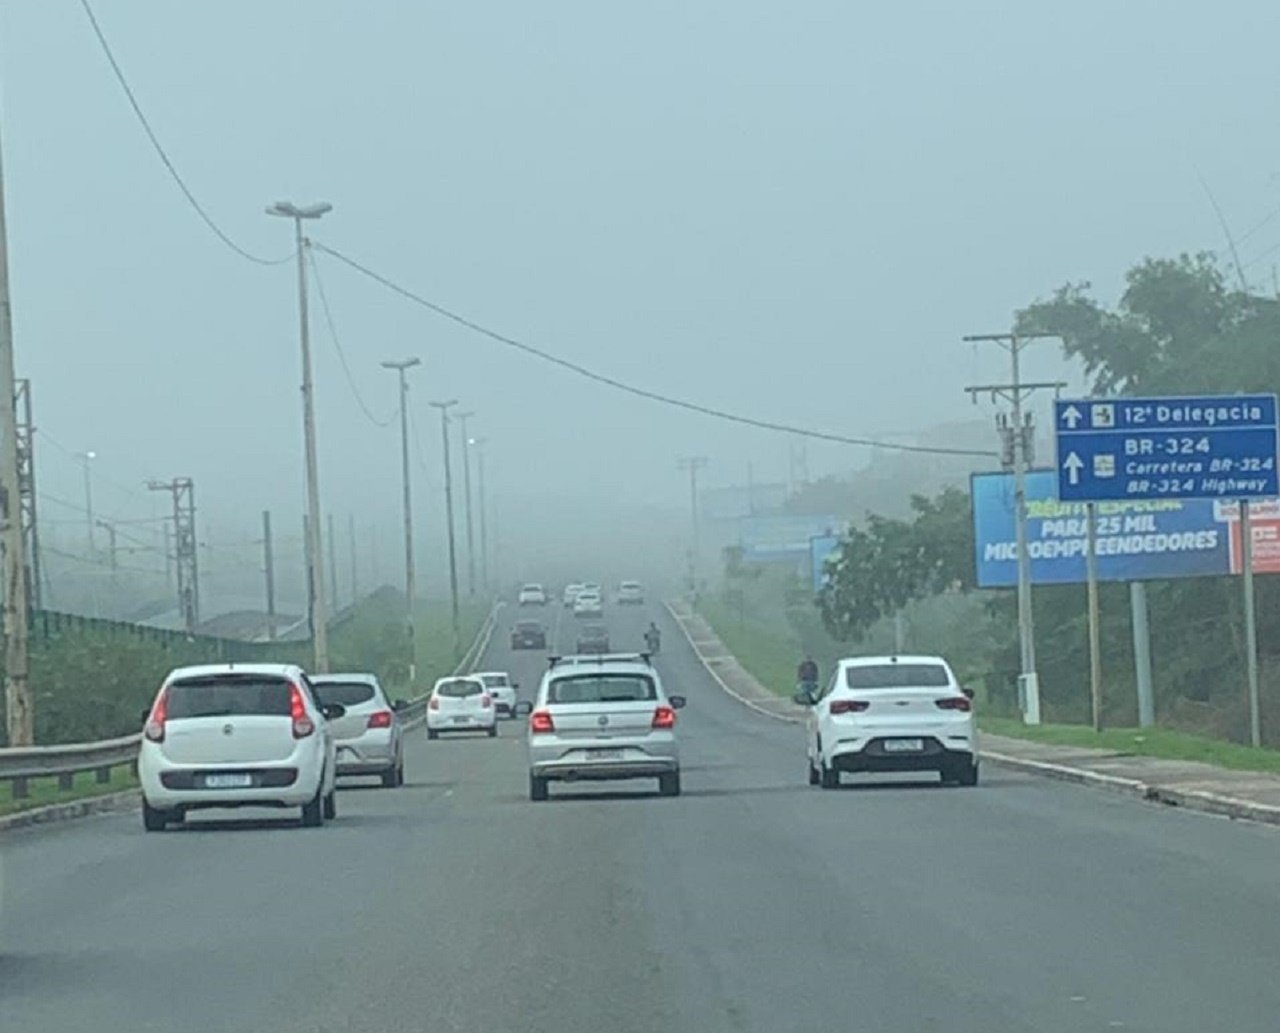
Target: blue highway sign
point(1213, 447)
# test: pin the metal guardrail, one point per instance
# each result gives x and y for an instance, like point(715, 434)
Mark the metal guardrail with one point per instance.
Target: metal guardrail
point(18, 765)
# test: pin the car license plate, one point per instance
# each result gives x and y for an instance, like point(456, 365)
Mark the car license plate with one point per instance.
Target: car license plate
point(903, 745)
point(604, 754)
point(461, 720)
point(229, 780)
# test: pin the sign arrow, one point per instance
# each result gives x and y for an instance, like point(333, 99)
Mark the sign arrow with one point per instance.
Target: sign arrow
point(1072, 416)
point(1073, 464)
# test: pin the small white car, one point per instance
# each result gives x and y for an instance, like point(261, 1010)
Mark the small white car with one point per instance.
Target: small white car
point(588, 604)
point(891, 713)
point(570, 594)
point(461, 704)
point(237, 735)
point(532, 594)
point(368, 735)
point(630, 593)
point(602, 718)
point(502, 689)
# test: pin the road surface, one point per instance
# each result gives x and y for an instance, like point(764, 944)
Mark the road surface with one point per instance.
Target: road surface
point(751, 903)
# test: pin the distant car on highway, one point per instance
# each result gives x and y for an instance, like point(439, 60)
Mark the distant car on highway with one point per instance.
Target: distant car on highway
point(502, 689)
point(368, 735)
point(891, 713)
point(630, 593)
point(461, 704)
point(602, 718)
point(588, 604)
point(237, 735)
point(570, 594)
point(593, 638)
point(532, 594)
point(528, 635)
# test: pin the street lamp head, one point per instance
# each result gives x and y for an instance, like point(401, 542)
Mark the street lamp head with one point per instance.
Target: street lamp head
point(444, 405)
point(402, 364)
point(289, 210)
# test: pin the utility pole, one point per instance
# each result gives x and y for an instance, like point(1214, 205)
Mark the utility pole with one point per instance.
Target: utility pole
point(1015, 393)
point(466, 480)
point(183, 492)
point(19, 708)
point(484, 522)
point(85, 459)
point(444, 408)
point(27, 491)
point(351, 544)
point(410, 585)
point(333, 566)
point(110, 528)
point(315, 567)
point(269, 568)
point(693, 464)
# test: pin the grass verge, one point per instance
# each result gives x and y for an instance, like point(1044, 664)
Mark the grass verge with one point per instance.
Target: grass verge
point(45, 791)
point(769, 653)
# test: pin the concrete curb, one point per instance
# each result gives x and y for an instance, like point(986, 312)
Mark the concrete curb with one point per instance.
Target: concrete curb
point(1191, 799)
point(127, 800)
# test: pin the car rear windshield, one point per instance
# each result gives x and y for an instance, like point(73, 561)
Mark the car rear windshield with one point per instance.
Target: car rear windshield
point(228, 695)
point(528, 626)
point(598, 632)
point(601, 688)
point(630, 586)
point(459, 687)
point(495, 681)
point(531, 588)
point(348, 693)
point(897, 676)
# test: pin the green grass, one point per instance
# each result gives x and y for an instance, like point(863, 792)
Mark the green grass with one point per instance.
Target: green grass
point(45, 791)
point(1146, 742)
point(770, 653)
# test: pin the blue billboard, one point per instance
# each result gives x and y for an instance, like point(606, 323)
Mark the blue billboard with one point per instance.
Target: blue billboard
point(774, 539)
point(1137, 541)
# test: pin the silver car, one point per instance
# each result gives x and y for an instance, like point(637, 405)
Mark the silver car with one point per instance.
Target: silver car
point(602, 718)
point(368, 735)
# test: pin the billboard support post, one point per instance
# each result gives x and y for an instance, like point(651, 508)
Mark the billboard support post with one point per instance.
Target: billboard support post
point(1142, 653)
point(1095, 645)
point(1250, 625)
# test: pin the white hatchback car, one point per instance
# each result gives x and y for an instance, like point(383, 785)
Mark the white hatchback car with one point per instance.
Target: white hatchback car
point(891, 713)
point(237, 735)
point(570, 594)
point(602, 718)
point(368, 735)
point(532, 594)
point(588, 604)
point(502, 689)
point(461, 704)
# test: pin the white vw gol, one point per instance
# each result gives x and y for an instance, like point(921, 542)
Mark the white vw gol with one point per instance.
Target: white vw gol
point(237, 735)
point(891, 713)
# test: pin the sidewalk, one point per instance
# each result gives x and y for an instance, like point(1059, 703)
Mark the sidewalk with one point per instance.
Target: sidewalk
point(1250, 795)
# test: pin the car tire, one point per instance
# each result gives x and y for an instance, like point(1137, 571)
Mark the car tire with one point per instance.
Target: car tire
point(829, 778)
point(432, 734)
point(537, 788)
point(493, 729)
point(967, 774)
point(814, 776)
point(388, 778)
point(313, 809)
point(669, 784)
point(154, 819)
point(331, 805)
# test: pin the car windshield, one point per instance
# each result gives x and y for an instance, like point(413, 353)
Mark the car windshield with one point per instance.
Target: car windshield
point(601, 688)
point(227, 695)
point(896, 676)
point(458, 688)
point(347, 693)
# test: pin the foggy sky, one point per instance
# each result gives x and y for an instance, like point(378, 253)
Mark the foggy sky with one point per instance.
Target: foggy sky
point(789, 210)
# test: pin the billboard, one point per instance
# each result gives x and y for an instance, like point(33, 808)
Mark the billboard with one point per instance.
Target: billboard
point(773, 539)
point(821, 548)
point(1137, 541)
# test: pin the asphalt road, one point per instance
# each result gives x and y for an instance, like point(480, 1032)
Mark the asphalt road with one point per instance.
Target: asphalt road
point(753, 902)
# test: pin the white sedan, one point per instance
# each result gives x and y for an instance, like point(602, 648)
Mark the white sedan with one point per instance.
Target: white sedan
point(891, 713)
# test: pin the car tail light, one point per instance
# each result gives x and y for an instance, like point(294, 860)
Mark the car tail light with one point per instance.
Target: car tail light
point(953, 703)
point(379, 719)
point(302, 723)
point(540, 722)
point(664, 717)
point(849, 706)
point(155, 723)
point(434, 703)
point(486, 701)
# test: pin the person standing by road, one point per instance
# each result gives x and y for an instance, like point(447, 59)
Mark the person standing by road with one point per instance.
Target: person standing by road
point(807, 676)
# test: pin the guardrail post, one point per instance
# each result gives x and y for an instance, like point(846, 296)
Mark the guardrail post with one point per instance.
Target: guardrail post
point(20, 789)
point(102, 776)
point(67, 781)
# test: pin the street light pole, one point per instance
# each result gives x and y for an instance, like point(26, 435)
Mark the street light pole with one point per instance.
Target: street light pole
point(315, 552)
point(410, 586)
point(479, 444)
point(444, 408)
point(85, 459)
point(693, 464)
point(466, 490)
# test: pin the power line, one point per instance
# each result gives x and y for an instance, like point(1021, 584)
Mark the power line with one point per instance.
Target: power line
point(160, 151)
point(337, 346)
point(631, 389)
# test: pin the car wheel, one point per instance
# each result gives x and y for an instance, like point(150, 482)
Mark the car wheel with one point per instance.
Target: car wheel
point(154, 819)
point(814, 777)
point(400, 772)
point(390, 778)
point(313, 809)
point(493, 729)
point(829, 777)
point(331, 805)
point(432, 734)
point(967, 774)
point(537, 788)
point(669, 784)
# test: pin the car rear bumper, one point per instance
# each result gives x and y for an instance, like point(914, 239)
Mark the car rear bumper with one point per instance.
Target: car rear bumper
point(604, 771)
point(872, 755)
point(183, 787)
point(562, 760)
point(526, 643)
point(365, 758)
point(461, 722)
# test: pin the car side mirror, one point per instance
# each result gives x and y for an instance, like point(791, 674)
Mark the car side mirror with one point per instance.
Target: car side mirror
point(677, 702)
point(333, 711)
point(803, 699)
point(524, 708)
point(515, 685)
point(967, 693)
point(399, 705)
